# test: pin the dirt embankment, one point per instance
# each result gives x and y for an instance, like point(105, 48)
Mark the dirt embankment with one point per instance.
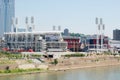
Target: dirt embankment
point(92, 61)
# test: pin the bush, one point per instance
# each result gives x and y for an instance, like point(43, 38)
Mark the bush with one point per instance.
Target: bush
point(7, 71)
point(55, 61)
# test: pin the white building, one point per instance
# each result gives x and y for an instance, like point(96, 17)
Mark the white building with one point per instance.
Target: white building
point(51, 41)
point(7, 12)
point(114, 44)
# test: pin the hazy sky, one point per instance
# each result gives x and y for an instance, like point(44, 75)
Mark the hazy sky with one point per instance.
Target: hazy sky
point(76, 15)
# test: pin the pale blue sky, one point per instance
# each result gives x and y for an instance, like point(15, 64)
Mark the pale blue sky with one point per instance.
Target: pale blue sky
point(76, 15)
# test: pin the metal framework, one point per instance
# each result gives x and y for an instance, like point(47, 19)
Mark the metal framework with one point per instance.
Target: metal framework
point(37, 41)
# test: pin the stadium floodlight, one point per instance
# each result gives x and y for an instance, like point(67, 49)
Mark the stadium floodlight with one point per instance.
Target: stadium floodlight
point(32, 20)
point(96, 20)
point(99, 27)
point(26, 20)
point(32, 23)
point(103, 26)
point(101, 21)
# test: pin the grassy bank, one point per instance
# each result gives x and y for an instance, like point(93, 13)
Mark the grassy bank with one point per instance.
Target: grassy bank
point(21, 72)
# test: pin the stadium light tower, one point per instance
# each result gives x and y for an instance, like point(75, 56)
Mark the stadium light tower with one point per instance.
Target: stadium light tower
point(32, 23)
point(27, 26)
point(97, 44)
point(101, 28)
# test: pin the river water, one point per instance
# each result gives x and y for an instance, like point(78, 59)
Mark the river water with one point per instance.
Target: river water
point(99, 73)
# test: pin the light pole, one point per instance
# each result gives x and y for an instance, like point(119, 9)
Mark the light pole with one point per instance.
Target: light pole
point(26, 35)
point(101, 28)
point(97, 44)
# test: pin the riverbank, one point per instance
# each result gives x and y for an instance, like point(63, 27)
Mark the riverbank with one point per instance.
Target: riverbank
point(85, 62)
point(60, 68)
point(73, 63)
point(91, 65)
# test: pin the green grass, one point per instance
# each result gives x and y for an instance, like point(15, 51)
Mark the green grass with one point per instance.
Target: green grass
point(19, 70)
point(10, 55)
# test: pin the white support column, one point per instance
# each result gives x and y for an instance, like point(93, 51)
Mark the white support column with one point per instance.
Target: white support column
point(101, 23)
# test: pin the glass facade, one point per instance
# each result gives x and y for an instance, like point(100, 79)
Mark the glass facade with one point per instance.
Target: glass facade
point(7, 12)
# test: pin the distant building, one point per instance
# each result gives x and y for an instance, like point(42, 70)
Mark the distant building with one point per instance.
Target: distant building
point(116, 34)
point(114, 46)
point(73, 43)
point(7, 12)
point(66, 32)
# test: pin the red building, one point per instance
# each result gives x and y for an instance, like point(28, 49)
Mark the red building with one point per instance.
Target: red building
point(73, 43)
